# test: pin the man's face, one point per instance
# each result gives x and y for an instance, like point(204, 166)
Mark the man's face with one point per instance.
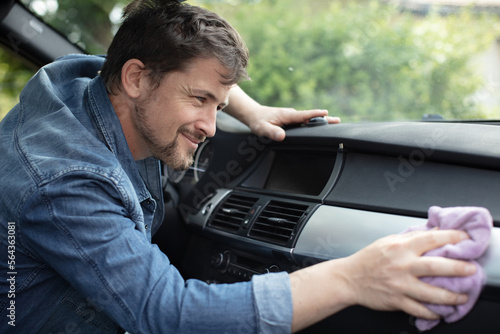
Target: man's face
point(173, 119)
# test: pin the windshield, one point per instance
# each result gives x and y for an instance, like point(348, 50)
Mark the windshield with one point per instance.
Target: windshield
point(361, 60)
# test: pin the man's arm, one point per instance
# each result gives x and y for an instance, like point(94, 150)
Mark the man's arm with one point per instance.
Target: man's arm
point(267, 121)
point(85, 226)
point(382, 276)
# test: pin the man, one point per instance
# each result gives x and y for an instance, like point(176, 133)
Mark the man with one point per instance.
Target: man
point(81, 196)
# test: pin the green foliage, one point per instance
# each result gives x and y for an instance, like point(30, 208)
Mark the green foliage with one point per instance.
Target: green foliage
point(13, 77)
point(362, 60)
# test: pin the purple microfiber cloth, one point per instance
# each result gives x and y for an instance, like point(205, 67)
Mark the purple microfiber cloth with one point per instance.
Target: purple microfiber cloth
point(477, 222)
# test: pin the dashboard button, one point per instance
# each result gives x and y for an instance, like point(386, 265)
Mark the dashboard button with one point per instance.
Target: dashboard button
point(206, 209)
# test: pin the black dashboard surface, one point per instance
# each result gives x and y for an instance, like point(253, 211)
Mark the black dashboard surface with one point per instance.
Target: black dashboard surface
point(261, 206)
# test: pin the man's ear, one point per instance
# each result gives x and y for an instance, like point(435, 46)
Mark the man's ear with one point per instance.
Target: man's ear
point(133, 76)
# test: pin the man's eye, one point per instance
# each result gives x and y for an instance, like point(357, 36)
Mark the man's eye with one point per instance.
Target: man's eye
point(201, 99)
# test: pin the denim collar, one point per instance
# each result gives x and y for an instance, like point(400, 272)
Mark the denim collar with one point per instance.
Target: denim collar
point(109, 126)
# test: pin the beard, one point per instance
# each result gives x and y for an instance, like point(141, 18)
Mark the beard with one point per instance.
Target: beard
point(170, 153)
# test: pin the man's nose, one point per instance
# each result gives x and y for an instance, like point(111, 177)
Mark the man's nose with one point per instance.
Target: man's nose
point(207, 124)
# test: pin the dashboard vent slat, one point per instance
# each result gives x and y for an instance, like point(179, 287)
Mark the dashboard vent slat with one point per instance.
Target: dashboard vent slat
point(232, 212)
point(277, 222)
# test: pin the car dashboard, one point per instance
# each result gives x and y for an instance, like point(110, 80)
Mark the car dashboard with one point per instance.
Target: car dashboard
point(250, 205)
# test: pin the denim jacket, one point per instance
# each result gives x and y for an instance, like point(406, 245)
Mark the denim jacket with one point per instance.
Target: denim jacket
point(76, 218)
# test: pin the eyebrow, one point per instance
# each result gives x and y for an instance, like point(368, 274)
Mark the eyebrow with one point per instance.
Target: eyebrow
point(210, 96)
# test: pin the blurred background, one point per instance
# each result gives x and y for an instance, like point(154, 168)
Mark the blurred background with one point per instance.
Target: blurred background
point(362, 60)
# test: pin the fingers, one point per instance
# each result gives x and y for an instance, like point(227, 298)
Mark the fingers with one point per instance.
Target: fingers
point(440, 266)
point(333, 120)
point(301, 116)
point(423, 292)
point(427, 266)
point(279, 134)
point(413, 303)
point(386, 274)
point(292, 116)
point(265, 127)
point(424, 241)
point(271, 119)
point(417, 309)
point(270, 124)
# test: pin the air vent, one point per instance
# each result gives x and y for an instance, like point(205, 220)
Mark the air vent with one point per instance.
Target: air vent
point(277, 222)
point(232, 212)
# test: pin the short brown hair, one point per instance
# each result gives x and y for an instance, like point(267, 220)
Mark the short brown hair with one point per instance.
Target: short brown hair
point(166, 35)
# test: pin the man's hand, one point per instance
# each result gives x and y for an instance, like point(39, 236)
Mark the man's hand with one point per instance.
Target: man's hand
point(382, 276)
point(385, 275)
point(268, 121)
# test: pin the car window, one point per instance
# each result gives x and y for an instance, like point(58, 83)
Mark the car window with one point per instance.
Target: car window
point(361, 60)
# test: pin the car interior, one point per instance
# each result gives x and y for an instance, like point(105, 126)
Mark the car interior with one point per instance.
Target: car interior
point(250, 205)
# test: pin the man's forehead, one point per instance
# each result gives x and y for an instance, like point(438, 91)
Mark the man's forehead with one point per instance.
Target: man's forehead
point(206, 77)
point(211, 64)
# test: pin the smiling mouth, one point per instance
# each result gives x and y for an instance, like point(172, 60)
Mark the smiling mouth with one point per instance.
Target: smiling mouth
point(194, 140)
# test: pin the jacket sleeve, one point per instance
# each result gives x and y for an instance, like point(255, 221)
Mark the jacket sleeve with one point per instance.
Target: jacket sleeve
point(83, 225)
